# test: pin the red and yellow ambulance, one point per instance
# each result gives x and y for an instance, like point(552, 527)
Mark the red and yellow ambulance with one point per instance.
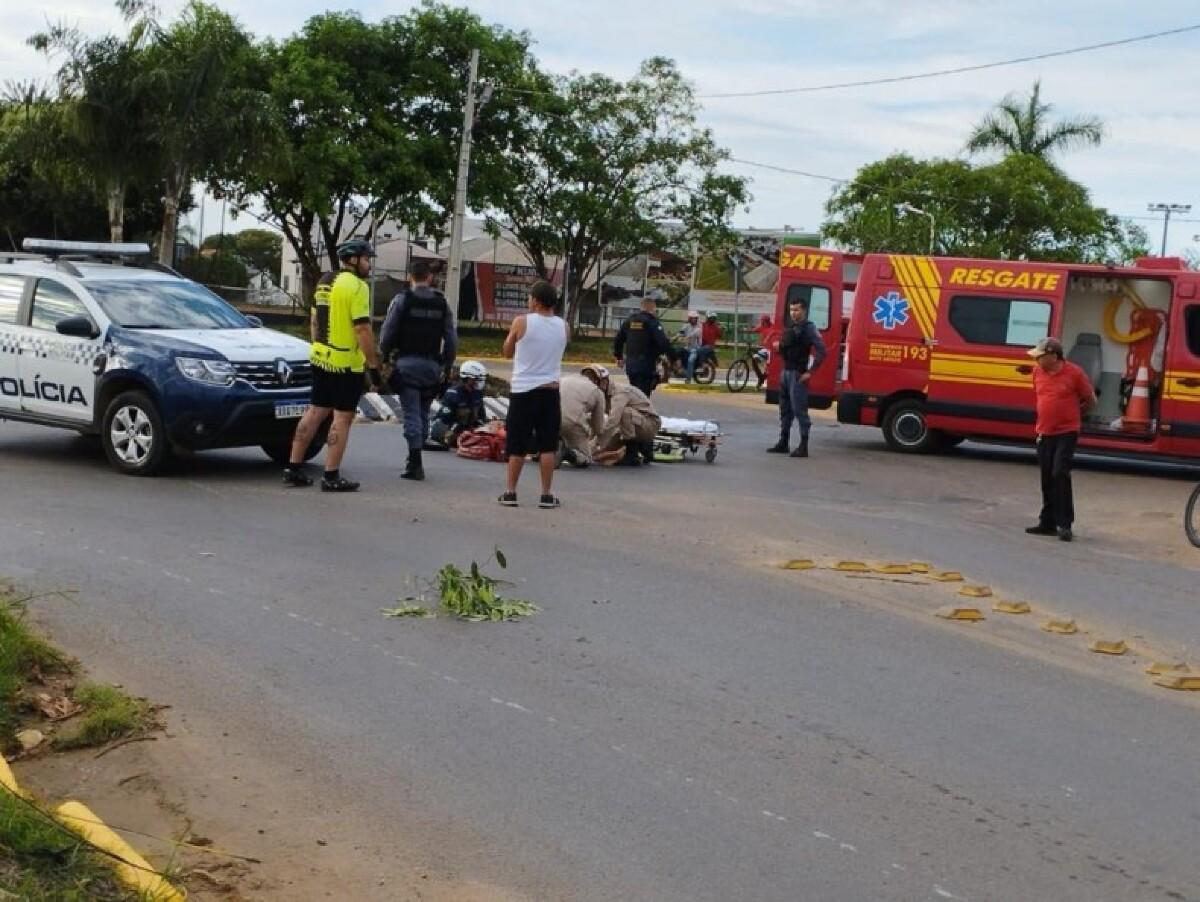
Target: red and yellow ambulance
point(935, 347)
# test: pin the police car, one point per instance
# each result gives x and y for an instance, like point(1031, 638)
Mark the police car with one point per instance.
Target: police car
point(147, 360)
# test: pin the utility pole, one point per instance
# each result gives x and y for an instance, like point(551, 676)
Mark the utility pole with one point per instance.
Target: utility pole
point(1166, 210)
point(454, 268)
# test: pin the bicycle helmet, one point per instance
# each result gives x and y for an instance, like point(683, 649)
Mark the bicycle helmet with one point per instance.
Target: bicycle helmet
point(473, 369)
point(355, 247)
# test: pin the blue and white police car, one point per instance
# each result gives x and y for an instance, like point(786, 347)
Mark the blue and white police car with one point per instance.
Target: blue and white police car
point(149, 361)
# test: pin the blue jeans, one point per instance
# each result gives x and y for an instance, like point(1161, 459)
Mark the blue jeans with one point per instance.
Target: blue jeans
point(793, 404)
point(692, 356)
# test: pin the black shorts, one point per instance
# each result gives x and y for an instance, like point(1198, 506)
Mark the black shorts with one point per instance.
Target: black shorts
point(341, 391)
point(534, 421)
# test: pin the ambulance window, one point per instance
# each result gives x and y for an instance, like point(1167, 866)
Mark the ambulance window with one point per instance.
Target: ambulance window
point(816, 297)
point(11, 289)
point(1191, 319)
point(1000, 321)
point(53, 301)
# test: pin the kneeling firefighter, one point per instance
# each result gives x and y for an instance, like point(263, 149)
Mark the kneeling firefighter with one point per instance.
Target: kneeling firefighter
point(420, 340)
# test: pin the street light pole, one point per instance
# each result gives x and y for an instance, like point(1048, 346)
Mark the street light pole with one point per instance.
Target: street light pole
point(454, 268)
point(909, 208)
point(1167, 210)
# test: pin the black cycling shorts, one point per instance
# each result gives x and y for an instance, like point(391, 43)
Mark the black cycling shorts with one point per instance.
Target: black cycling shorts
point(341, 391)
point(534, 422)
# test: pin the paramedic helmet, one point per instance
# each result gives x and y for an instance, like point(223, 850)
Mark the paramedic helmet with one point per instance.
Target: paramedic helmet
point(473, 369)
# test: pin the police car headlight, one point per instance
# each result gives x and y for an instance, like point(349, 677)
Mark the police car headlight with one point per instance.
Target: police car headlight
point(212, 372)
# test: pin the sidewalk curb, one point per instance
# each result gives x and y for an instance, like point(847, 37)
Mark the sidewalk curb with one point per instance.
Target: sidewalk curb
point(135, 872)
point(132, 869)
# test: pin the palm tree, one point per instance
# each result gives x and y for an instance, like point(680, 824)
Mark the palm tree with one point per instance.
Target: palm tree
point(1017, 127)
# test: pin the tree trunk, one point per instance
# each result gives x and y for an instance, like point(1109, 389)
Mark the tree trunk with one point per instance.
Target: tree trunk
point(170, 225)
point(116, 212)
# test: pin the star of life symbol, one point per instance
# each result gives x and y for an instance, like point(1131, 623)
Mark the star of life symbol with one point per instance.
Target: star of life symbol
point(891, 310)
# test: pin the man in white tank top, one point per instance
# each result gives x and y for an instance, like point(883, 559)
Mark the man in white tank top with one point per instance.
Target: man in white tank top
point(535, 343)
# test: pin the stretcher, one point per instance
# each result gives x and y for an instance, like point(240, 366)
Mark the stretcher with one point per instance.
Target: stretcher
point(678, 437)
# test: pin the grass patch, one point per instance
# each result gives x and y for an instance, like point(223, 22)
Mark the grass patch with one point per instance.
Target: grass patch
point(41, 861)
point(109, 714)
point(22, 654)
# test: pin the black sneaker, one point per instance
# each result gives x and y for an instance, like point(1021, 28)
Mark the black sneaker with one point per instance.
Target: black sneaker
point(341, 484)
point(780, 448)
point(1041, 530)
point(1065, 534)
point(549, 502)
point(296, 479)
point(508, 499)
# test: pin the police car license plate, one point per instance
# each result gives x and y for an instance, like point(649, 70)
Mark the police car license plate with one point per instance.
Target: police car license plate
point(289, 411)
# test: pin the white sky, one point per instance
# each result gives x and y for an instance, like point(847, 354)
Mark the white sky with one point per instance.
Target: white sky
point(1146, 93)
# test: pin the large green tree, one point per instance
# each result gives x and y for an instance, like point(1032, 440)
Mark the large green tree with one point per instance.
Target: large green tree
point(617, 168)
point(1019, 126)
point(369, 117)
point(206, 112)
point(104, 121)
point(260, 248)
point(1018, 208)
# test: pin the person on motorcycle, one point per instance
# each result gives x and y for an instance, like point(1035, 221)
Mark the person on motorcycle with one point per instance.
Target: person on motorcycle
point(461, 406)
point(692, 336)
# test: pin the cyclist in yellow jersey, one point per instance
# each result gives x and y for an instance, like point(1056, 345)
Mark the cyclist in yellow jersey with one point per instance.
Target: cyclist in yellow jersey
point(343, 345)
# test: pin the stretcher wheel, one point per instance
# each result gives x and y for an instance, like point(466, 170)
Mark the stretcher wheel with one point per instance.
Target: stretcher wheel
point(710, 455)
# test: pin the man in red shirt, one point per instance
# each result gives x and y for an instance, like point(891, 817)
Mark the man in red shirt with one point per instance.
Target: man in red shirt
point(1063, 394)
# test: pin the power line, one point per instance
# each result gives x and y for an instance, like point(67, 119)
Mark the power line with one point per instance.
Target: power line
point(955, 71)
point(811, 175)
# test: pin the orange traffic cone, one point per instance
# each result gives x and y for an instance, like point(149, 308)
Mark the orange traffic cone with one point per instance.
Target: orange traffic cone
point(1137, 414)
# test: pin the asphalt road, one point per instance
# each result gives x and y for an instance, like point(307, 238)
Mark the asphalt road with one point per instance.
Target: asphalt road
point(683, 719)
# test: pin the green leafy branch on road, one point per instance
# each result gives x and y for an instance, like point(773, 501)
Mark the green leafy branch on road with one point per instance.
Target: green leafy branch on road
point(468, 594)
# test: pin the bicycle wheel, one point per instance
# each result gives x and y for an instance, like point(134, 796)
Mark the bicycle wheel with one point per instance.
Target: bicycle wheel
point(1191, 517)
point(738, 376)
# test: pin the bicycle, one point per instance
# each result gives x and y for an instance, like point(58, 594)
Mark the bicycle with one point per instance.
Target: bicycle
point(738, 376)
point(1191, 517)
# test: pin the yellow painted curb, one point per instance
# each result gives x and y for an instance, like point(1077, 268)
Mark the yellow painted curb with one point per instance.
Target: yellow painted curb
point(9, 781)
point(893, 569)
point(799, 564)
point(919, 567)
point(851, 567)
point(1105, 647)
point(132, 868)
point(975, 591)
point(1065, 627)
point(947, 576)
point(1186, 681)
point(1012, 607)
point(958, 612)
point(1161, 667)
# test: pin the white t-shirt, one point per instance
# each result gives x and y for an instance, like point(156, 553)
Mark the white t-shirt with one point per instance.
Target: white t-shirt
point(539, 354)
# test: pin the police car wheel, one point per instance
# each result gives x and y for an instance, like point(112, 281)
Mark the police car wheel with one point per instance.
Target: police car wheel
point(906, 430)
point(133, 436)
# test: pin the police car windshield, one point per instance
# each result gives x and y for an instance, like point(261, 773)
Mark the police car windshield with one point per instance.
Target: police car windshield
point(165, 304)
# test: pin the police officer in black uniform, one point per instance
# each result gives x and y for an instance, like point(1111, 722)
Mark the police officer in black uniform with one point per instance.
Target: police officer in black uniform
point(800, 342)
point(420, 340)
point(640, 341)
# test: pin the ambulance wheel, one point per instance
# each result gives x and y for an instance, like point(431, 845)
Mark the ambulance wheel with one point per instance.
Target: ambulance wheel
point(1191, 518)
point(905, 428)
point(281, 452)
point(946, 442)
point(133, 436)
